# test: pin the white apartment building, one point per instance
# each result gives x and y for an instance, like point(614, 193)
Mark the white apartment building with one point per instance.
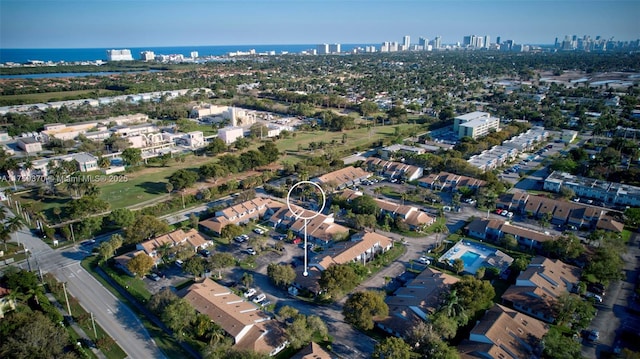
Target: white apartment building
point(475, 124)
point(607, 192)
point(230, 134)
point(119, 55)
point(334, 49)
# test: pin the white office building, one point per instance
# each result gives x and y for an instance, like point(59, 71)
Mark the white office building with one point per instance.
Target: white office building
point(322, 49)
point(147, 56)
point(334, 49)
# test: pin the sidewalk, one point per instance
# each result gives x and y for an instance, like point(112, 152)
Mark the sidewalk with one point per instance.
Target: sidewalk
point(75, 326)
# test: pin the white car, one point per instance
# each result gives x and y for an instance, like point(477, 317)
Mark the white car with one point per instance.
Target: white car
point(251, 251)
point(258, 230)
point(250, 292)
point(509, 214)
point(424, 260)
point(259, 298)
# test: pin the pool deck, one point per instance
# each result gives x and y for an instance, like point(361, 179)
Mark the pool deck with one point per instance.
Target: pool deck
point(463, 247)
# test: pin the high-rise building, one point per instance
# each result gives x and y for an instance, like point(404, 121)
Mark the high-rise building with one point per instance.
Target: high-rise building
point(147, 56)
point(437, 42)
point(498, 40)
point(423, 43)
point(119, 55)
point(487, 41)
point(322, 49)
point(466, 41)
point(194, 54)
point(406, 42)
point(334, 48)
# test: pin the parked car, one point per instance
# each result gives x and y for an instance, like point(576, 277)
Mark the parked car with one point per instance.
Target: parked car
point(179, 263)
point(595, 297)
point(205, 252)
point(251, 251)
point(154, 277)
point(593, 335)
point(259, 298)
point(424, 260)
point(596, 288)
point(258, 230)
point(509, 214)
point(239, 239)
point(250, 292)
point(498, 211)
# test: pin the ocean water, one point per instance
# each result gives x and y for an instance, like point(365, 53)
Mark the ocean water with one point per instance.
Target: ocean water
point(86, 54)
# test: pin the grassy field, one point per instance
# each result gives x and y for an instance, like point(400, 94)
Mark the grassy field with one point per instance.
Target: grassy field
point(355, 138)
point(57, 96)
point(145, 184)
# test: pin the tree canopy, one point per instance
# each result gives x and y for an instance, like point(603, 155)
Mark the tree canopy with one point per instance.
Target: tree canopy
point(361, 308)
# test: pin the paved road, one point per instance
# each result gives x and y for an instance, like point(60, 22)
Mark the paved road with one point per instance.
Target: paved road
point(613, 315)
point(115, 317)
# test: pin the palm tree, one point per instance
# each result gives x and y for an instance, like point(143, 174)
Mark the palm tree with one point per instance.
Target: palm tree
point(5, 236)
point(452, 306)
point(163, 251)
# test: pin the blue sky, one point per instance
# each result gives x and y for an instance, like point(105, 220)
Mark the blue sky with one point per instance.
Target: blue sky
point(139, 23)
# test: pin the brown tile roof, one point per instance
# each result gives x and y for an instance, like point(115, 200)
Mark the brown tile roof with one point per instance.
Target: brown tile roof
point(312, 351)
point(177, 237)
point(416, 300)
point(343, 176)
point(234, 315)
point(452, 180)
point(563, 209)
point(345, 252)
point(539, 286)
point(264, 337)
point(391, 167)
point(521, 232)
point(516, 333)
point(610, 224)
point(533, 204)
point(419, 218)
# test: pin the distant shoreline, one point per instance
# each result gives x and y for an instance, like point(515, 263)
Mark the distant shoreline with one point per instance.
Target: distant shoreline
point(96, 54)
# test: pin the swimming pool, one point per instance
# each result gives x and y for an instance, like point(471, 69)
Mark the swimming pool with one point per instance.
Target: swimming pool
point(468, 258)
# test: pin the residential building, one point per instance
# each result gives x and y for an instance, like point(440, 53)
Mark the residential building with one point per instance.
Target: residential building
point(538, 287)
point(362, 247)
point(389, 152)
point(397, 170)
point(493, 158)
point(230, 134)
point(322, 49)
point(450, 182)
point(415, 301)
point(147, 56)
point(250, 328)
point(475, 124)
point(312, 351)
point(122, 261)
point(334, 49)
point(505, 334)
point(86, 162)
point(496, 229)
point(558, 212)
point(415, 218)
point(119, 55)
point(4, 137)
point(528, 140)
point(342, 178)
point(29, 145)
point(241, 213)
point(611, 193)
point(191, 239)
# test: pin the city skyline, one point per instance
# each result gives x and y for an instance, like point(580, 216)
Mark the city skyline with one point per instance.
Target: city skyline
point(99, 23)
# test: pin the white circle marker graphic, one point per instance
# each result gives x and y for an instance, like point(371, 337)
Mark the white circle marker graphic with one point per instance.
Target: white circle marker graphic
point(313, 214)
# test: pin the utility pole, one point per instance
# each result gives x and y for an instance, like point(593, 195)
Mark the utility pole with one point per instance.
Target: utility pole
point(72, 235)
point(93, 323)
point(64, 288)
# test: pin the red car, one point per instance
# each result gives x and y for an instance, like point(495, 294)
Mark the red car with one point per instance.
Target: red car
point(499, 211)
point(297, 240)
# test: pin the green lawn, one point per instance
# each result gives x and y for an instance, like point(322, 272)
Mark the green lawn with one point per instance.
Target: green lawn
point(355, 138)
